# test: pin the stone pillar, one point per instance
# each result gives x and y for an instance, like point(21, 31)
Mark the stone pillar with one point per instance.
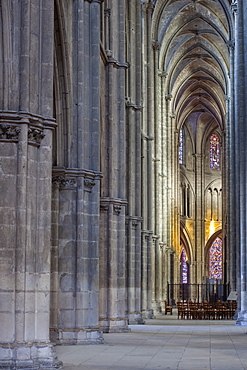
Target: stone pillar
point(26, 126)
point(148, 172)
point(74, 305)
point(231, 176)
point(76, 188)
point(199, 218)
point(133, 122)
point(240, 156)
point(113, 300)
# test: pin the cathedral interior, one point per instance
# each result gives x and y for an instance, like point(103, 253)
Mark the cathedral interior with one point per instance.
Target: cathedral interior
point(123, 166)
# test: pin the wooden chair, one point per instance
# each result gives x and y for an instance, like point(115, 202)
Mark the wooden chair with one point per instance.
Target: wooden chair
point(167, 308)
point(182, 310)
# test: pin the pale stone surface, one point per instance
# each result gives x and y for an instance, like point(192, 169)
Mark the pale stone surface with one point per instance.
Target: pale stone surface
point(94, 207)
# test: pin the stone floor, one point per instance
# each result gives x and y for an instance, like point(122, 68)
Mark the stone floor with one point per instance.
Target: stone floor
point(164, 343)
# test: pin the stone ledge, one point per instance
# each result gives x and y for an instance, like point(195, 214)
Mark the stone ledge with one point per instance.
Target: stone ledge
point(77, 336)
point(28, 356)
point(114, 325)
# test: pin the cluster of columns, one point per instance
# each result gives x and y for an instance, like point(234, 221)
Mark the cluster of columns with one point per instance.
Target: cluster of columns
point(89, 212)
point(237, 163)
point(26, 127)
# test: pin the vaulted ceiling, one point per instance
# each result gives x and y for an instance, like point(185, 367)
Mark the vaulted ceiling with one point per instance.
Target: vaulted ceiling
point(195, 39)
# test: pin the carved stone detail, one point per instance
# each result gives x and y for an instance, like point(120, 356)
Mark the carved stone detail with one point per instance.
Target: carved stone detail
point(88, 185)
point(135, 224)
point(9, 132)
point(147, 235)
point(148, 6)
point(64, 182)
point(117, 209)
point(134, 221)
point(156, 45)
point(69, 178)
point(130, 104)
point(104, 208)
point(107, 12)
point(117, 205)
point(35, 135)
point(147, 238)
point(116, 63)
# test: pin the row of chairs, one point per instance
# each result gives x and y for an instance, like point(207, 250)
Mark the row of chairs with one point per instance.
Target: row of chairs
point(206, 311)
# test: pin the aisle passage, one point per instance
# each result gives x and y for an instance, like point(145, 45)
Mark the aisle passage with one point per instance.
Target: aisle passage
point(173, 345)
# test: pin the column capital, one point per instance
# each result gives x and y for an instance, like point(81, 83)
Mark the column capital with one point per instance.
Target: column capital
point(107, 12)
point(148, 6)
point(168, 97)
point(162, 74)
point(234, 7)
point(230, 44)
point(155, 45)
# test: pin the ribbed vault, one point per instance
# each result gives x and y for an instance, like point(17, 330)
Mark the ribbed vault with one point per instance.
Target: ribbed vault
point(194, 38)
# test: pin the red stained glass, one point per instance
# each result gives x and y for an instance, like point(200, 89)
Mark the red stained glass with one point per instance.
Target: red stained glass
point(214, 152)
point(181, 147)
point(215, 260)
point(184, 267)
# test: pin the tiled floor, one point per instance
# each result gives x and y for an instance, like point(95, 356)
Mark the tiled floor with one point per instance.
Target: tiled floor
point(164, 343)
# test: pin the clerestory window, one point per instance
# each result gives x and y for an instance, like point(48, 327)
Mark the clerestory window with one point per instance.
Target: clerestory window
point(214, 152)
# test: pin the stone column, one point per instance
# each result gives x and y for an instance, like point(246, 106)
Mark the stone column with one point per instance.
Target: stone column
point(133, 124)
point(26, 126)
point(74, 268)
point(199, 219)
point(240, 156)
point(76, 189)
point(231, 176)
point(113, 300)
point(148, 172)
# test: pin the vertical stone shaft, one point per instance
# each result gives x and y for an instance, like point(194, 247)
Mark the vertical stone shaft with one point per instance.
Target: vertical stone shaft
point(113, 191)
point(240, 138)
point(78, 181)
point(199, 220)
point(25, 152)
point(231, 179)
point(133, 121)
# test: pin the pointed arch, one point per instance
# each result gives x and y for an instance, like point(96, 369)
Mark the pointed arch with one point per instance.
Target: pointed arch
point(62, 87)
point(210, 242)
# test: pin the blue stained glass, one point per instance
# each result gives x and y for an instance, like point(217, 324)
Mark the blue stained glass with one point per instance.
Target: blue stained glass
point(184, 267)
point(181, 146)
point(214, 152)
point(215, 260)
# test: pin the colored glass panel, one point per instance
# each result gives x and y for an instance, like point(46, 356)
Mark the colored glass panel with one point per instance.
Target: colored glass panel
point(184, 267)
point(215, 260)
point(214, 152)
point(181, 146)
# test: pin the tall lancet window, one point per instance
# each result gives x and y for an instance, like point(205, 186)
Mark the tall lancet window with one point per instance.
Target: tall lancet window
point(215, 260)
point(184, 267)
point(181, 147)
point(214, 152)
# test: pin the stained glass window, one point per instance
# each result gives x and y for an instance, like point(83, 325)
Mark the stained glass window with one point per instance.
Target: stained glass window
point(181, 146)
point(215, 260)
point(214, 152)
point(184, 267)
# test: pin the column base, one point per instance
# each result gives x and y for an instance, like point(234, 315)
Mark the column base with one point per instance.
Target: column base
point(114, 325)
point(148, 314)
point(135, 318)
point(76, 336)
point(28, 356)
point(156, 308)
point(242, 318)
